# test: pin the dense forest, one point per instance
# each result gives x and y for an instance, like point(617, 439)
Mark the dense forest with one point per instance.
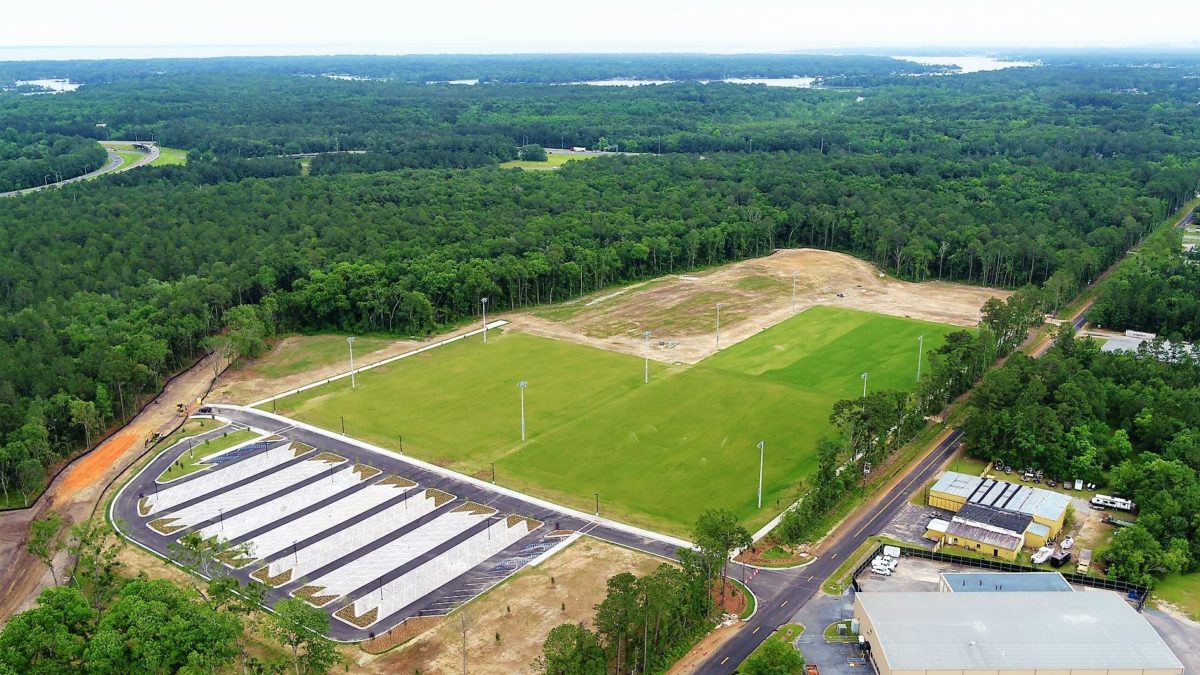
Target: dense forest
point(1037, 176)
point(1123, 419)
point(34, 158)
point(1158, 291)
point(102, 618)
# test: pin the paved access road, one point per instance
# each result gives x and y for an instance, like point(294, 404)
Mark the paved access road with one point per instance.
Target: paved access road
point(781, 592)
point(115, 163)
point(136, 527)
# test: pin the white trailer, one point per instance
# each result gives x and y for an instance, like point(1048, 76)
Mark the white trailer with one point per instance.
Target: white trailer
point(1113, 502)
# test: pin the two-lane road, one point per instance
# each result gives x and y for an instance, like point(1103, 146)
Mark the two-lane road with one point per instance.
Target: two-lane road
point(782, 592)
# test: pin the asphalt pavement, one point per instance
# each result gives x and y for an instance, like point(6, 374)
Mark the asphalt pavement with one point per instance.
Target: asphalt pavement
point(135, 526)
point(781, 593)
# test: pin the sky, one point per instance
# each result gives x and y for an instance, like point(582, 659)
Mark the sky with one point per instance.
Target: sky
point(139, 28)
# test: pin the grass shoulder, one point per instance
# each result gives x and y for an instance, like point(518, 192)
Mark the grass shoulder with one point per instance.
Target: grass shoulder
point(1181, 591)
point(787, 633)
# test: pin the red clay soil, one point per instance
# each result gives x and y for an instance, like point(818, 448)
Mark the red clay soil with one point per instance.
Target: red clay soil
point(735, 599)
point(75, 493)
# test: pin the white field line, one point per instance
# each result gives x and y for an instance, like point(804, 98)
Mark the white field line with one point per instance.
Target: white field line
point(485, 485)
point(491, 324)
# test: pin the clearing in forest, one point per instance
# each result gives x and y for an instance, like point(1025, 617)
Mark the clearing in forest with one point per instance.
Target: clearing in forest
point(656, 454)
point(755, 294)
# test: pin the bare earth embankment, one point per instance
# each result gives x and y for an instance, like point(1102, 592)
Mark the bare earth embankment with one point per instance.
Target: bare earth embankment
point(75, 492)
point(755, 294)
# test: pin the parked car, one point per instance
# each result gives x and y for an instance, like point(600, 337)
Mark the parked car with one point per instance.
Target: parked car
point(206, 410)
point(882, 571)
point(1067, 543)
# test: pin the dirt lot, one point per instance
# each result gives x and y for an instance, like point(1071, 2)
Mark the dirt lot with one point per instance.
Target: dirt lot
point(78, 488)
point(580, 573)
point(755, 294)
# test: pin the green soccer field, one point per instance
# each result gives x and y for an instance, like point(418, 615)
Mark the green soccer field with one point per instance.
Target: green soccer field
point(658, 454)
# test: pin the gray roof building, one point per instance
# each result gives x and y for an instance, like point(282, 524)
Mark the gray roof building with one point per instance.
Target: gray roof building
point(1096, 631)
point(1008, 582)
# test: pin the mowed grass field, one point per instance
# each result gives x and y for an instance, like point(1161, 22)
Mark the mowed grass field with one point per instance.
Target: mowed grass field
point(658, 454)
point(552, 162)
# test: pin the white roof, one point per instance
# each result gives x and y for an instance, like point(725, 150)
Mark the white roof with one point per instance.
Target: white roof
point(1025, 630)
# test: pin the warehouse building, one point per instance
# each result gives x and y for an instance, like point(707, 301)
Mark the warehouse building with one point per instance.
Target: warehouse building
point(1046, 509)
point(1009, 633)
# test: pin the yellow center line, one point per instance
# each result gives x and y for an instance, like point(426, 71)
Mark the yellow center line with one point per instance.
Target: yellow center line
point(899, 494)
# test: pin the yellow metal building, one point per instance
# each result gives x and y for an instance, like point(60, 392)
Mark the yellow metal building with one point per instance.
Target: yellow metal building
point(1046, 509)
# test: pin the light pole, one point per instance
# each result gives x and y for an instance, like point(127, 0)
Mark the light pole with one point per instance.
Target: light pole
point(864, 379)
point(350, 341)
point(597, 503)
point(719, 324)
point(646, 370)
point(793, 291)
point(483, 301)
point(761, 450)
point(920, 353)
point(343, 421)
point(521, 386)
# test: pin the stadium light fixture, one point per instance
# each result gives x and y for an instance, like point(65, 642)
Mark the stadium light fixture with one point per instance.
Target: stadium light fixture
point(483, 302)
point(521, 386)
point(646, 371)
point(920, 353)
point(719, 324)
point(761, 451)
point(350, 341)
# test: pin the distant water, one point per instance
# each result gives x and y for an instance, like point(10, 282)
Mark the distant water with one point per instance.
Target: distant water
point(621, 82)
point(798, 82)
point(968, 64)
point(467, 82)
point(49, 86)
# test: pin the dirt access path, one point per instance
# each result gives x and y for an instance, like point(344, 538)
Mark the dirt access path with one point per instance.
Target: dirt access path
point(754, 294)
point(75, 492)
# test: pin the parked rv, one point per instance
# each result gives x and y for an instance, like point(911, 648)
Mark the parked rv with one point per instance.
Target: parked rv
point(1113, 502)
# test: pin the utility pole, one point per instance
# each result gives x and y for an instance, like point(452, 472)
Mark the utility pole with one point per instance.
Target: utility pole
point(761, 451)
point(646, 374)
point(350, 341)
point(521, 385)
point(483, 301)
point(719, 324)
